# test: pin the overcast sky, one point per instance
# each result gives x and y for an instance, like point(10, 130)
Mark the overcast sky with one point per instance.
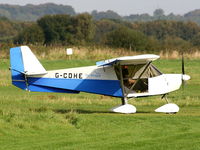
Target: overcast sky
point(123, 7)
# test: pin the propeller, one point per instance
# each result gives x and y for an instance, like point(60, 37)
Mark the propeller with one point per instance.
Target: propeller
point(183, 71)
point(184, 76)
point(183, 64)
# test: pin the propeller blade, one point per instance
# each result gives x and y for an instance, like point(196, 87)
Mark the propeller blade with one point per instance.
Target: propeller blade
point(183, 64)
point(183, 71)
point(184, 77)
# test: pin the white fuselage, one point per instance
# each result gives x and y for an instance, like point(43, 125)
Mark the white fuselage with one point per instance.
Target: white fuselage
point(158, 85)
point(161, 84)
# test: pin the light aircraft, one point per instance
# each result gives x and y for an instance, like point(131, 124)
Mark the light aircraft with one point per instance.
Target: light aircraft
point(123, 77)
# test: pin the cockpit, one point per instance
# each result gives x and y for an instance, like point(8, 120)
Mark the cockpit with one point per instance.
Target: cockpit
point(135, 77)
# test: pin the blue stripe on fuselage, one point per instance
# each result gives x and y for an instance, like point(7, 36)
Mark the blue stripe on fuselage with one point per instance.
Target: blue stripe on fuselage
point(104, 87)
point(37, 88)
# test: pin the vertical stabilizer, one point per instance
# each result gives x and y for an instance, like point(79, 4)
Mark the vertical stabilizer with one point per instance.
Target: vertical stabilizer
point(23, 63)
point(31, 64)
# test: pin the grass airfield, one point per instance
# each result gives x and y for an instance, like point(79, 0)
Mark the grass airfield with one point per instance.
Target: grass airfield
point(83, 121)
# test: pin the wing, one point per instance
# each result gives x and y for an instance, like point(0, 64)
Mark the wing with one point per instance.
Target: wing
point(138, 59)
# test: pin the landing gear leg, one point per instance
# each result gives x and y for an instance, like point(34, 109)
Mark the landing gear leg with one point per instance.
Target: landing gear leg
point(124, 101)
point(165, 97)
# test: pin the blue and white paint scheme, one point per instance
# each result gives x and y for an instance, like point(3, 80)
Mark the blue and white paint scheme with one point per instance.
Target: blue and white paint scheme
point(106, 77)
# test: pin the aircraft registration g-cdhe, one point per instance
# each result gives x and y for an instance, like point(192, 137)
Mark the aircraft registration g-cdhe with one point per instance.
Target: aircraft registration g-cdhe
point(123, 77)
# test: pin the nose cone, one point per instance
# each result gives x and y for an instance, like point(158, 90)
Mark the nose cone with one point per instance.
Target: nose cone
point(186, 77)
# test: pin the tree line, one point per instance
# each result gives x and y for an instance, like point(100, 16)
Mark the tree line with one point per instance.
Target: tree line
point(83, 30)
point(31, 12)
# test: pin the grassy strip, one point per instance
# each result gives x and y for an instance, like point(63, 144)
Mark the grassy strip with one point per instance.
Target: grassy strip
point(83, 121)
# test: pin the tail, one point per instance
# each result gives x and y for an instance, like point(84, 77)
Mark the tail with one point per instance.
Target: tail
point(22, 64)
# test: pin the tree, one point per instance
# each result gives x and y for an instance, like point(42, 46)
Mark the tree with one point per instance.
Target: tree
point(109, 14)
point(187, 30)
point(31, 35)
point(172, 42)
point(56, 28)
point(9, 29)
point(83, 28)
point(158, 13)
point(127, 38)
point(196, 40)
point(65, 29)
point(163, 28)
point(103, 27)
point(31, 12)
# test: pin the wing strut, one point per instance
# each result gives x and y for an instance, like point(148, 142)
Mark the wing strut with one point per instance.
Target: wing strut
point(124, 99)
point(147, 65)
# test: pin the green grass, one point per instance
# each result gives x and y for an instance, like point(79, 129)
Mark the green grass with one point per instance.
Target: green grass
point(83, 121)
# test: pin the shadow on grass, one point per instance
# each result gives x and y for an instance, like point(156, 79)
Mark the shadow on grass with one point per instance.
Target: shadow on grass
point(82, 111)
point(144, 112)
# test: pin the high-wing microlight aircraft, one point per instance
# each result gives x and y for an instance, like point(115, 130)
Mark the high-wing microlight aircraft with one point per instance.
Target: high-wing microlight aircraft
point(123, 77)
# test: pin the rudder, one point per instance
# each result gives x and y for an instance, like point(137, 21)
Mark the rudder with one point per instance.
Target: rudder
point(17, 68)
point(22, 64)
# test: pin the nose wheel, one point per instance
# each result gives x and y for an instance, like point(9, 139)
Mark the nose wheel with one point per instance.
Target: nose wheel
point(169, 108)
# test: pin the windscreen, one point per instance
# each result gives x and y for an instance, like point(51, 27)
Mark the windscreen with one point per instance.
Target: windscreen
point(134, 71)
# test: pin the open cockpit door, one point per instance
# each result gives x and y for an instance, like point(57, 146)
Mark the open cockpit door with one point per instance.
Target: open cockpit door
point(134, 78)
point(133, 72)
